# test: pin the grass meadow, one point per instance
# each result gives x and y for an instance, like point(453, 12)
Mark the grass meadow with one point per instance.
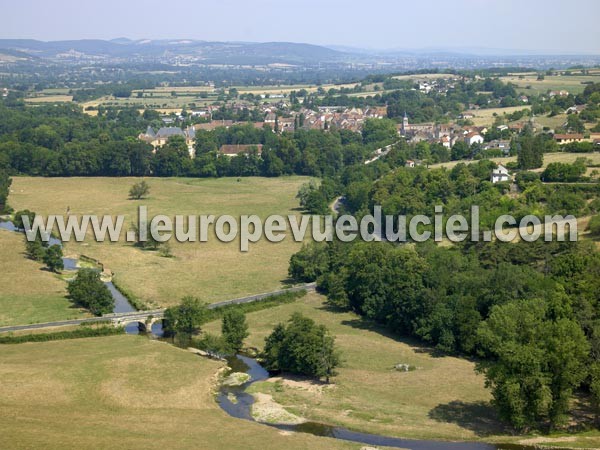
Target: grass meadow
point(486, 116)
point(123, 392)
point(369, 395)
point(574, 84)
point(212, 270)
point(29, 293)
point(548, 158)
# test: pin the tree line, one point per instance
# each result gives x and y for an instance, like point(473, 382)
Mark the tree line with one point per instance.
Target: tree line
point(412, 191)
point(62, 141)
point(5, 183)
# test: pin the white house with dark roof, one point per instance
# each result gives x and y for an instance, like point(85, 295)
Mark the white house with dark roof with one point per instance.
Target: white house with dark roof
point(500, 174)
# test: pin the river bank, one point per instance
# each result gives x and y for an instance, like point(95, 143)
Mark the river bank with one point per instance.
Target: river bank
point(235, 400)
point(442, 399)
point(72, 264)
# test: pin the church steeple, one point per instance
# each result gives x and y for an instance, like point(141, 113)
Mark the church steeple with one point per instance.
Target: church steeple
point(405, 124)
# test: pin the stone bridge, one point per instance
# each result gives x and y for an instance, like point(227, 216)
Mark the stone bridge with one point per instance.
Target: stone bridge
point(145, 319)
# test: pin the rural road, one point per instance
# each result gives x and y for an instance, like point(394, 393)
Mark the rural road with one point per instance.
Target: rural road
point(236, 301)
point(381, 152)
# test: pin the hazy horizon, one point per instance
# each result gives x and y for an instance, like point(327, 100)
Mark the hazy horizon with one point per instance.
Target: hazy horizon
point(545, 27)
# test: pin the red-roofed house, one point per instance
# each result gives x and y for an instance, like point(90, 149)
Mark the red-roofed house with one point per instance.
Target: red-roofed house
point(568, 138)
point(238, 149)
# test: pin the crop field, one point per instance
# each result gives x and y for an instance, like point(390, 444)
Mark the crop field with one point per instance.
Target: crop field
point(210, 270)
point(123, 392)
point(58, 98)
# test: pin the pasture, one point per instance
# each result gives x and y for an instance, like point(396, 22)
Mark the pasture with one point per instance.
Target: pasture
point(123, 392)
point(210, 270)
point(29, 293)
point(487, 116)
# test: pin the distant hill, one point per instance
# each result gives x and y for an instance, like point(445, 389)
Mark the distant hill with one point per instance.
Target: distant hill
point(11, 55)
point(212, 52)
point(182, 52)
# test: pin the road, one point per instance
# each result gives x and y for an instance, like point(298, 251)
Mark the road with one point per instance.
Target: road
point(156, 312)
point(381, 152)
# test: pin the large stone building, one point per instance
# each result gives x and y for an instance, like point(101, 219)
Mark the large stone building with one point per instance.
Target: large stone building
point(162, 136)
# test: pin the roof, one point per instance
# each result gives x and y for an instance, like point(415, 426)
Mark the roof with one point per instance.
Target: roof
point(568, 136)
point(214, 124)
point(236, 149)
point(169, 131)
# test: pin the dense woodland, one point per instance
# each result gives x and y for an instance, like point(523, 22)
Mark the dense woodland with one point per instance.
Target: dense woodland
point(411, 191)
point(529, 311)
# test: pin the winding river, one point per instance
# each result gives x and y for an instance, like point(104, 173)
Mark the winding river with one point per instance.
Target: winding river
point(236, 402)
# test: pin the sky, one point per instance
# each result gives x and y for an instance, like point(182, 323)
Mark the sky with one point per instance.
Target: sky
point(543, 25)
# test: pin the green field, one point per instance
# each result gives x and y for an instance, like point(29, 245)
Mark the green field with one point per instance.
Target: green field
point(548, 158)
point(123, 392)
point(213, 270)
point(443, 398)
point(574, 84)
point(161, 98)
point(424, 76)
point(164, 105)
point(29, 294)
point(487, 116)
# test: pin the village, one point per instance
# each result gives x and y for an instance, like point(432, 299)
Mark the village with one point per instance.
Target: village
point(280, 119)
